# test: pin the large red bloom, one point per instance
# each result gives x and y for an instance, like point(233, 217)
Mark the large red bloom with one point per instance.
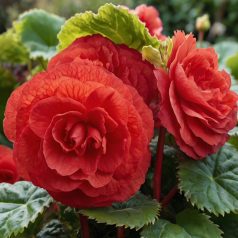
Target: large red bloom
point(79, 132)
point(8, 170)
point(150, 16)
point(197, 106)
point(125, 63)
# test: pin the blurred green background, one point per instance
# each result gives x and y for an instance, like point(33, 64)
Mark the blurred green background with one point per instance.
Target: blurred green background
point(175, 14)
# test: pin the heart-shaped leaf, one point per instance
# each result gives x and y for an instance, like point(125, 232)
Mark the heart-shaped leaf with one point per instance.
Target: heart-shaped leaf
point(212, 183)
point(38, 31)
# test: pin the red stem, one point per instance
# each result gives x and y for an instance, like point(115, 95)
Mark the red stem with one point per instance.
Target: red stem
point(167, 199)
point(159, 162)
point(121, 232)
point(200, 38)
point(84, 226)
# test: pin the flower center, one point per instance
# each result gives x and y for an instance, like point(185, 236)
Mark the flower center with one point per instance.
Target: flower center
point(79, 136)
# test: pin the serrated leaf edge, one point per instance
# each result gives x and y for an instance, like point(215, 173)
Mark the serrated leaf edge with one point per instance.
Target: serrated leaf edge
point(194, 202)
point(34, 219)
point(46, 205)
point(209, 220)
point(158, 207)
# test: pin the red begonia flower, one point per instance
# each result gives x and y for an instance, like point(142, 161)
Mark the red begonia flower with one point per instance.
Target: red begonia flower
point(197, 105)
point(8, 170)
point(125, 63)
point(150, 16)
point(80, 133)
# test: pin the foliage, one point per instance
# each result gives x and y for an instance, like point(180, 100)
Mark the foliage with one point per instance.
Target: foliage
point(158, 57)
point(6, 86)
point(212, 184)
point(12, 50)
point(53, 229)
point(228, 224)
point(20, 204)
point(232, 64)
point(115, 23)
point(135, 213)
point(112, 22)
point(227, 52)
point(225, 49)
point(190, 224)
point(70, 7)
point(185, 12)
point(37, 30)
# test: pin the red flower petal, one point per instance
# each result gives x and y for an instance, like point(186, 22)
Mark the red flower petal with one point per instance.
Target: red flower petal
point(197, 106)
point(8, 170)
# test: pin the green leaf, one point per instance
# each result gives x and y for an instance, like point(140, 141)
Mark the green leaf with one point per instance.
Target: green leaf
point(7, 82)
point(70, 219)
point(197, 224)
point(228, 225)
point(234, 131)
point(190, 224)
point(33, 228)
point(20, 204)
point(212, 183)
point(233, 137)
point(225, 49)
point(113, 22)
point(38, 31)
point(12, 50)
point(158, 56)
point(234, 86)
point(232, 63)
point(53, 229)
point(234, 141)
point(135, 213)
point(6, 78)
point(164, 229)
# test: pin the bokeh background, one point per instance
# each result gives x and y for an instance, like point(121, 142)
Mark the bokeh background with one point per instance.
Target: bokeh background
point(175, 14)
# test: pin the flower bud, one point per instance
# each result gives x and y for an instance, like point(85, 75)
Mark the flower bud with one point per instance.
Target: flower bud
point(158, 56)
point(203, 23)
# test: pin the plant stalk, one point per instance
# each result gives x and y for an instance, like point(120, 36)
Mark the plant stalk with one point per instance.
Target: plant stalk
point(200, 38)
point(159, 163)
point(84, 226)
point(167, 199)
point(121, 232)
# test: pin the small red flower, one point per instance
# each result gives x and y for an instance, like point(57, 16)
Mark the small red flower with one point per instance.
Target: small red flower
point(197, 106)
point(8, 170)
point(78, 130)
point(150, 16)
